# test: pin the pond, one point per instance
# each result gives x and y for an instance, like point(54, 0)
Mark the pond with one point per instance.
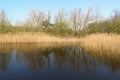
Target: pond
point(54, 62)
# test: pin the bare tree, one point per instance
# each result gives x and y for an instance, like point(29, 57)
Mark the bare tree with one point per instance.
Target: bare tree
point(91, 16)
point(46, 23)
point(88, 17)
point(116, 16)
point(35, 18)
point(80, 20)
point(60, 16)
point(76, 18)
point(4, 20)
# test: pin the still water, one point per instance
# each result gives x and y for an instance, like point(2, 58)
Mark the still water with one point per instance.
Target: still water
point(54, 62)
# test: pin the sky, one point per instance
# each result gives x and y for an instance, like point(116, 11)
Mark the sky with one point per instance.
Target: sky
point(18, 9)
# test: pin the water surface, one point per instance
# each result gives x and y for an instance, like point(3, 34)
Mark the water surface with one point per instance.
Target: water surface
point(54, 62)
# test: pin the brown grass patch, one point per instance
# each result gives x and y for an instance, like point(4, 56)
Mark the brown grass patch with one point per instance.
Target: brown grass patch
point(33, 37)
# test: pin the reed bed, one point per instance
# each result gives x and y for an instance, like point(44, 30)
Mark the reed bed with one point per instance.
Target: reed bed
point(107, 45)
point(33, 37)
point(94, 43)
point(103, 46)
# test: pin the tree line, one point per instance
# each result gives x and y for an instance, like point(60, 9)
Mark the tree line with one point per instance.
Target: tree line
point(75, 22)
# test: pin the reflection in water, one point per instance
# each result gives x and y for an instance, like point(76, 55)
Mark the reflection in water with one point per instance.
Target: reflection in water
point(5, 58)
point(55, 59)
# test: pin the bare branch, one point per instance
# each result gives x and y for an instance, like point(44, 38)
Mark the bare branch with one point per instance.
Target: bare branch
point(35, 18)
point(60, 16)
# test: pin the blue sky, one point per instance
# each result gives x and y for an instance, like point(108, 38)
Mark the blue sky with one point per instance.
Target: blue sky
point(18, 9)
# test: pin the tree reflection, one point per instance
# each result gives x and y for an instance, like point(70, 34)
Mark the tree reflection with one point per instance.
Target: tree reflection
point(5, 58)
point(62, 57)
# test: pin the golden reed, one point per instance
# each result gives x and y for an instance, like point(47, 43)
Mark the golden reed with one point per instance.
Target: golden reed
point(33, 37)
point(102, 44)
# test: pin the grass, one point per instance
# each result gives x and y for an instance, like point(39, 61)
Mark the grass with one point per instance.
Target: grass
point(33, 37)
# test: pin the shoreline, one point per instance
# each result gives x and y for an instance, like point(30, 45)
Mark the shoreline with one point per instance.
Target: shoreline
point(94, 43)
